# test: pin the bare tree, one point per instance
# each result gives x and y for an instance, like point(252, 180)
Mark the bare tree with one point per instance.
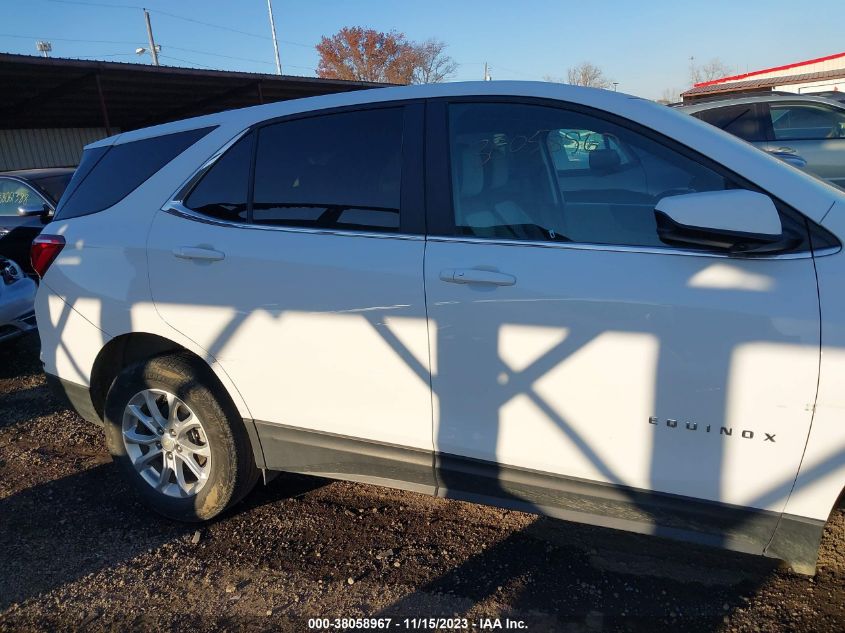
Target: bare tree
point(670, 95)
point(714, 69)
point(433, 65)
point(587, 74)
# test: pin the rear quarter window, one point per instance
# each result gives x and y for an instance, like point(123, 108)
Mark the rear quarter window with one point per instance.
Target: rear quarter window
point(740, 120)
point(107, 175)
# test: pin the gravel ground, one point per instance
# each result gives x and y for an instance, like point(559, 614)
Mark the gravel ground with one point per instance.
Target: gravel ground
point(78, 551)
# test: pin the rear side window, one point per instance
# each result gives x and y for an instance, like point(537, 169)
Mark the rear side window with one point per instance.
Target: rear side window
point(223, 192)
point(333, 171)
point(54, 185)
point(110, 174)
point(804, 121)
point(739, 120)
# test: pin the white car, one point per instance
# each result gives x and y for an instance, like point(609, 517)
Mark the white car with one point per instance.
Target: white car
point(17, 294)
point(431, 288)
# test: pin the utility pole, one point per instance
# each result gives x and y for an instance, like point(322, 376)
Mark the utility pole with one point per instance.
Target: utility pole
point(153, 49)
point(275, 42)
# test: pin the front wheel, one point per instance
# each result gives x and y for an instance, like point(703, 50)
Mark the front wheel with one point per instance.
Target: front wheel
point(181, 445)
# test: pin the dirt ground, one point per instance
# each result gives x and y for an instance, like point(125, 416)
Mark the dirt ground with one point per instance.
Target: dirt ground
point(78, 551)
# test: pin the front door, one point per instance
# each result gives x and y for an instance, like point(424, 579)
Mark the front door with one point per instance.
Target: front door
point(570, 341)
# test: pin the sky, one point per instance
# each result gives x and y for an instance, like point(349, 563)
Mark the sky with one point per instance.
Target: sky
point(644, 46)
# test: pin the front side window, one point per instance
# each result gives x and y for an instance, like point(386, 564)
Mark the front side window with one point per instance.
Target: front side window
point(530, 172)
point(14, 194)
point(340, 171)
point(807, 121)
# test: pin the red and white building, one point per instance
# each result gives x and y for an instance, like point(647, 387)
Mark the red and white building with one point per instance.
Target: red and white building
point(813, 75)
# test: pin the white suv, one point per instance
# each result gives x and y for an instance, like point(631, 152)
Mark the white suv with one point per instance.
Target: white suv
point(555, 299)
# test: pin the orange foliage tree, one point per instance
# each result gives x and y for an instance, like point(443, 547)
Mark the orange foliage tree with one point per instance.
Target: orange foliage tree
point(363, 54)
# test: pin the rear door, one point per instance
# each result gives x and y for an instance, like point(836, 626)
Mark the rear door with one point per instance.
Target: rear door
point(304, 279)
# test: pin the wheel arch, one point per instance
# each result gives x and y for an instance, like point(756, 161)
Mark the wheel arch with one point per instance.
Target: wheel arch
point(125, 349)
point(121, 351)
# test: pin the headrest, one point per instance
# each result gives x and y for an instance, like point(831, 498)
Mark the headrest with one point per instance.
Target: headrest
point(470, 171)
point(499, 167)
point(604, 159)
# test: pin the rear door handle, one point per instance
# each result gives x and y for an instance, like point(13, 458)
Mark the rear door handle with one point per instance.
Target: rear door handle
point(476, 276)
point(202, 254)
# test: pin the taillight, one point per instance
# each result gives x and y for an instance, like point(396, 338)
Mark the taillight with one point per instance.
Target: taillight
point(45, 249)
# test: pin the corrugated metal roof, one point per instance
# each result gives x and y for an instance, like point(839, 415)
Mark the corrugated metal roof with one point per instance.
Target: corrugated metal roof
point(757, 84)
point(41, 92)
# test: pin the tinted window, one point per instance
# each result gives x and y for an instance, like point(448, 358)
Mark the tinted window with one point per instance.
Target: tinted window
point(333, 171)
point(224, 190)
point(807, 121)
point(14, 194)
point(54, 185)
point(739, 120)
point(120, 170)
point(530, 172)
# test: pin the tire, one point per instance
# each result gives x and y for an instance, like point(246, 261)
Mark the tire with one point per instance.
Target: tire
point(197, 433)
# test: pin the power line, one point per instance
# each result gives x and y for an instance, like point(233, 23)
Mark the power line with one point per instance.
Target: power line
point(96, 57)
point(178, 17)
point(98, 4)
point(67, 39)
point(192, 50)
point(187, 61)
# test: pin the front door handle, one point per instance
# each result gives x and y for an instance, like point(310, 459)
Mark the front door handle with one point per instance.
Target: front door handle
point(476, 276)
point(198, 253)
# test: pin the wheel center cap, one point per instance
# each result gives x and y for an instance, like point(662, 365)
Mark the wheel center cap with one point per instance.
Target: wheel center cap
point(168, 443)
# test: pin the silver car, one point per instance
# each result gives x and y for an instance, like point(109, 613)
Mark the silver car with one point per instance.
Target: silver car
point(806, 131)
point(17, 293)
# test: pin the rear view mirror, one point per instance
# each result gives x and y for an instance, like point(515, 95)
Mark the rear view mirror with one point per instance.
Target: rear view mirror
point(735, 220)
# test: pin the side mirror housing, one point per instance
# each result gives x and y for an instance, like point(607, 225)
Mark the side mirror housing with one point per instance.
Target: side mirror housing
point(734, 220)
point(32, 210)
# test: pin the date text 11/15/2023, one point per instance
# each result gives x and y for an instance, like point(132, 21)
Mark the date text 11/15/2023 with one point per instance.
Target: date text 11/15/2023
point(417, 624)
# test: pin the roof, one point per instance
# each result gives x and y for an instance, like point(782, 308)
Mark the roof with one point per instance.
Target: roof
point(757, 84)
point(248, 116)
point(790, 185)
point(38, 174)
point(708, 104)
point(51, 92)
point(773, 69)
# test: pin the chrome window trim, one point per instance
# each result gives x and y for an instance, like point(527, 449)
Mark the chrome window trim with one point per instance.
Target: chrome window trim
point(650, 250)
point(178, 209)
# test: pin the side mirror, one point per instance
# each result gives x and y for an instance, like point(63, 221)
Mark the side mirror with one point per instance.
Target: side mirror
point(32, 210)
point(735, 220)
point(791, 158)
